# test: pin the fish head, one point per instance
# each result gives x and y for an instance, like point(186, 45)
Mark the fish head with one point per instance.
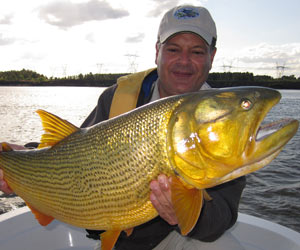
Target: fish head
point(215, 136)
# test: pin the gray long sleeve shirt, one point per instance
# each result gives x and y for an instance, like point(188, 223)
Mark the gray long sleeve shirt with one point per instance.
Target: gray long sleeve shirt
point(216, 216)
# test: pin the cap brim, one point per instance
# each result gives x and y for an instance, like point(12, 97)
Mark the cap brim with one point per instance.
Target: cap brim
point(187, 28)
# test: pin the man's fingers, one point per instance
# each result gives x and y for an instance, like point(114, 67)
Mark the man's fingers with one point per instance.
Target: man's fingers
point(3, 185)
point(161, 199)
point(161, 193)
point(13, 146)
point(5, 188)
point(163, 211)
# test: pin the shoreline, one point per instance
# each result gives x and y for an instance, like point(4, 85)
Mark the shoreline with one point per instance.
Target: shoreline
point(213, 84)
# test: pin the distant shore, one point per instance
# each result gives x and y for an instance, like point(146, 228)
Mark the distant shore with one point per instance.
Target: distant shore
point(216, 80)
point(214, 84)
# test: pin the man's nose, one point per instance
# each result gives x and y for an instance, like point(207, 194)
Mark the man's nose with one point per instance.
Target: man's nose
point(185, 57)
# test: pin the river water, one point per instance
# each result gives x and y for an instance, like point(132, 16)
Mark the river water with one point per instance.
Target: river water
point(272, 193)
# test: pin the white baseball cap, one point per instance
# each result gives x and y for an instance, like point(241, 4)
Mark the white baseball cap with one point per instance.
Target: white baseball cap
point(188, 18)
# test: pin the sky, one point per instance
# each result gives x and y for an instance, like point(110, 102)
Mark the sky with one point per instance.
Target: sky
point(59, 38)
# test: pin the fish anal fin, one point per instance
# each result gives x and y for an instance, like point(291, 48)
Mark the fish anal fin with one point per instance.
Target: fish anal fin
point(109, 239)
point(43, 219)
point(187, 203)
point(6, 147)
point(128, 231)
point(55, 129)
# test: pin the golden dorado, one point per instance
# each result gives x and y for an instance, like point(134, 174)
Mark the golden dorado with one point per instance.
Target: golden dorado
point(98, 177)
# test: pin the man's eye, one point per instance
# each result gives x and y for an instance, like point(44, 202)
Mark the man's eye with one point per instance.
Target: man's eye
point(172, 50)
point(198, 52)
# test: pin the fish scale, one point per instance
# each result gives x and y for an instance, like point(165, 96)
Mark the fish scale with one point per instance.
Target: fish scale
point(95, 177)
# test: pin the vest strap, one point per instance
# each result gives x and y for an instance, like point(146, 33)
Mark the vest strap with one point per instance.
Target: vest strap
point(127, 93)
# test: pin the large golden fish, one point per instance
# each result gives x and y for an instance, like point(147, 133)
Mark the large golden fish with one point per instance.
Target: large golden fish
point(98, 177)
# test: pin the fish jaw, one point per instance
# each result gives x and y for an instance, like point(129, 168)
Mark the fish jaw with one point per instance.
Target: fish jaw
point(286, 129)
point(216, 137)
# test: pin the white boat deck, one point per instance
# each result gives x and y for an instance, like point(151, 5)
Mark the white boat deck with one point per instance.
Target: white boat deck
point(20, 231)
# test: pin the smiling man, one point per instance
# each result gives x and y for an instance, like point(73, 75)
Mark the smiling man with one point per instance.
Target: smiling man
point(183, 64)
point(185, 50)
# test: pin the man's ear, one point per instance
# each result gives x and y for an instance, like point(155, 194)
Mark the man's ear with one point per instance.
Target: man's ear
point(213, 53)
point(212, 56)
point(157, 47)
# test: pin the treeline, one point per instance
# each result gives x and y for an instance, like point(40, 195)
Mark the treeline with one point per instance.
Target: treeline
point(30, 78)
point(228, 79)
point(234, 79)
point(246, 76)
point(22, 75)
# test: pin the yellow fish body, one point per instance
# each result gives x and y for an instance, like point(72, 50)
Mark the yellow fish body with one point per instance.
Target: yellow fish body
point(98, 177)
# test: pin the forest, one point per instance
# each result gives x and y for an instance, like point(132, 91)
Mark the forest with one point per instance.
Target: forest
point(227, 79)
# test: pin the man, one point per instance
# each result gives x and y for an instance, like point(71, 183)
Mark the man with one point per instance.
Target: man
point(185, 50)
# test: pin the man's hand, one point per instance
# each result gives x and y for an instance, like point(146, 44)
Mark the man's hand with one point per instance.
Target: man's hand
point(161, 199)
point(13, 146)
point(3, 185)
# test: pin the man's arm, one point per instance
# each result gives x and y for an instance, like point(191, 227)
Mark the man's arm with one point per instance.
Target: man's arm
point(3, 184)
point(101, 111)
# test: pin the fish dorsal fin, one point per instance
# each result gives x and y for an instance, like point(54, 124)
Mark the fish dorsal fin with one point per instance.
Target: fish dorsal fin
point(55, 129)
point(187, 203)
point(6, 147)
point(109, 239)
point(43, 219)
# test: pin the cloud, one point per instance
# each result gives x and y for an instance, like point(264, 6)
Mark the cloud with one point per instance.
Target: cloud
point(266, 58)
point(31, 56)
point(269, 53)
point(136, 38)
point(6, 19)
point(65, 14)
point(6, 41)
point(287, 55)
point(161, 6)
point(90, 37)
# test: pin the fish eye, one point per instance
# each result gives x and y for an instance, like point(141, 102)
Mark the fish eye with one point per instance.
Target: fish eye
point(246, 104)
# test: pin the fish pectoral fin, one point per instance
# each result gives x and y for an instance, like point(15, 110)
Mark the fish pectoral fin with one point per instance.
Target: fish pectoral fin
point(128, 231)
point(109, 239)
point(207, 197)
point(43, 219)
point(55, 129)
point(187, 203)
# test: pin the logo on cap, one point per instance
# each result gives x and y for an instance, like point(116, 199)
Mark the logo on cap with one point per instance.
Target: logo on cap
point(186, 13)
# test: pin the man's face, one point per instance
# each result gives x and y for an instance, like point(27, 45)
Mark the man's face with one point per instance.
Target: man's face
point(183, 63)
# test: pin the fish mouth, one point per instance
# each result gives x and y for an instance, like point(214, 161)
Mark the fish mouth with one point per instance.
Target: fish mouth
point(270, 138)
point(266, 130)
point(268, 135)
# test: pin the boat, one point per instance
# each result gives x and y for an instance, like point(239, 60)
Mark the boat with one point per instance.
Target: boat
point(20, 231)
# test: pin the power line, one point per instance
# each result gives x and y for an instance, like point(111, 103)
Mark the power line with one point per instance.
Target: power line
point(280, 69)
point(99, 67)
point(64, 70)
point(132, 68)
